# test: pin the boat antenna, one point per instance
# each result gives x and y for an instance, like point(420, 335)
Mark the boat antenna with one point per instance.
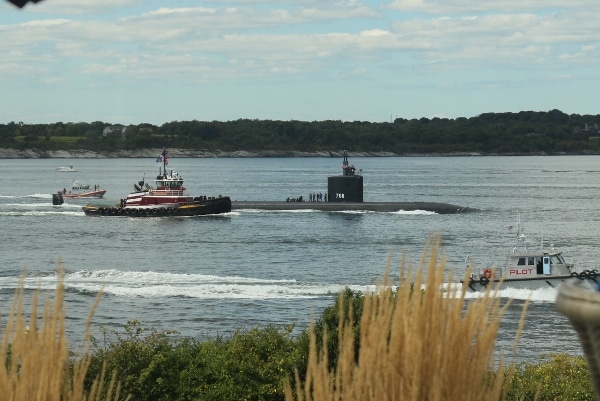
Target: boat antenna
point(164, 160)
point(345, 163)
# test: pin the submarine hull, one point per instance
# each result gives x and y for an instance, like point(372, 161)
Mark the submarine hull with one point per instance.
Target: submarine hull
point(386, 207)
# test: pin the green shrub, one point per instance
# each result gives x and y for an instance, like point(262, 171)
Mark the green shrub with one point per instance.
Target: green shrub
point(327, 327)
point(562, 377)
point(144, 360)
point(155, 366)
point(253, 364)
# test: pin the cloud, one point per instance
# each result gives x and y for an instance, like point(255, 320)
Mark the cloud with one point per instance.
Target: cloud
point(79, 7)
point(468, 6)
point(401, 44)
point(246, 41)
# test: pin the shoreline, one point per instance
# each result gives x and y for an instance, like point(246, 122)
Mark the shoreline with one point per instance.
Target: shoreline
point(187, 153)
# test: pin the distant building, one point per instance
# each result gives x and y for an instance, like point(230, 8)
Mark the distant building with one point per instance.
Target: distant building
point(590, 132)
point(114, 128)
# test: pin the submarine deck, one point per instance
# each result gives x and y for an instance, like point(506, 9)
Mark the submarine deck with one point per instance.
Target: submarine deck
point(440, 208)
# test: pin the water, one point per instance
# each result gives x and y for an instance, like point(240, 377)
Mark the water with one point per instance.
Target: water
point(208, 276)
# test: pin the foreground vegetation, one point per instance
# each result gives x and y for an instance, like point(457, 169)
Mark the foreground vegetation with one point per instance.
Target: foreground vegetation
point(404, 344)
point(525, 132)
point(38, 364)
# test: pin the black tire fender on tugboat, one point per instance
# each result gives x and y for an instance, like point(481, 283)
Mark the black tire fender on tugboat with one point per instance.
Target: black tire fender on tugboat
point(583, 275)
point(484, 281)
point(574, 275)
point(592, 275)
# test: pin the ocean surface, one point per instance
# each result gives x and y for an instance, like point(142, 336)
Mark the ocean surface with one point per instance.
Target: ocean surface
point(208, 276)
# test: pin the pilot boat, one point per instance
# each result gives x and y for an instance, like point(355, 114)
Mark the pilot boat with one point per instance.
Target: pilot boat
point(166, 198)
point(82, 191)
point(527, 267)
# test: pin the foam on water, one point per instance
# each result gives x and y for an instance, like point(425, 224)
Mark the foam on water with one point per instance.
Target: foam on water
point(149, 284)
point(415, 212)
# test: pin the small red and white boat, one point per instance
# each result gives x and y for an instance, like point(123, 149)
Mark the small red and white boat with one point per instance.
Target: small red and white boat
point(82, 191)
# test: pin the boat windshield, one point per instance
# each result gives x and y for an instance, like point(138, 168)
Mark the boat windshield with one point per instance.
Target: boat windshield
point(170, 184)
point(557, 259)
point(526, 261)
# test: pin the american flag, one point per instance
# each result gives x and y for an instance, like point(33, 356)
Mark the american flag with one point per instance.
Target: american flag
point(163, 157)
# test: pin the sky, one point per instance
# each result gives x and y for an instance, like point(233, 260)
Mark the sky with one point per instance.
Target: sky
point(150, 61)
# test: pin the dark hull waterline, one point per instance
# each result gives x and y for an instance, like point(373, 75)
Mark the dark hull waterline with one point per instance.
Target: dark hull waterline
point(386, 207)
point(210, 206)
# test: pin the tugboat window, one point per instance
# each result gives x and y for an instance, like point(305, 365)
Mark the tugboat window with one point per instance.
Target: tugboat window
point(521, 262)
point(531, 261)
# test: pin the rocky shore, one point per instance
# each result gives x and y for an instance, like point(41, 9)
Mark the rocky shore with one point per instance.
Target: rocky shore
point(181, 153)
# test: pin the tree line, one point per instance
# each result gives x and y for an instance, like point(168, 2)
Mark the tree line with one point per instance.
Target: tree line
point(526, 132)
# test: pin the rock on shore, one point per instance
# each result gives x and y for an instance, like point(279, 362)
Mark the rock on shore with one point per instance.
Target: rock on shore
point(178, 153)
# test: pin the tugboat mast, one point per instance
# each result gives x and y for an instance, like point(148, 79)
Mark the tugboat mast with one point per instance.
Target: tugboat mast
point(163, 158)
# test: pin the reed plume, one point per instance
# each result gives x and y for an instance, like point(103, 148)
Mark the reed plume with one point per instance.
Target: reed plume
point(414, 345)
point(36, 361)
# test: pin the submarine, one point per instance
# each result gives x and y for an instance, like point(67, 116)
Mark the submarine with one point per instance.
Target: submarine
point(344, 194)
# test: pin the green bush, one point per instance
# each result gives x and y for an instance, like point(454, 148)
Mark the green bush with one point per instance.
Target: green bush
point(155, 366)
point(562, 377)
point(326, 327)
point(253, 364)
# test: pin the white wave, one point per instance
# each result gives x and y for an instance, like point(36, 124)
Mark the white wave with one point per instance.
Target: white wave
point(162, 277)
point(29, 205)
point(146, 284)
point(538, 295)
point(151, 284)
point(39, 196)
point(415, 212)
point(71, 205)
point(216, 291)
point(236, 213)
point(277, 211)
point(296, 211)
point(41, 212)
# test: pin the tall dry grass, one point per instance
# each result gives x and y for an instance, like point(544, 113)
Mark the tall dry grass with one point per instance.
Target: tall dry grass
point(35, 361)
point(413, 346)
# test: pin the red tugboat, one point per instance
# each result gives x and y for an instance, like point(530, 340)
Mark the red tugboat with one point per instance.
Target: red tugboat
point(167, 198)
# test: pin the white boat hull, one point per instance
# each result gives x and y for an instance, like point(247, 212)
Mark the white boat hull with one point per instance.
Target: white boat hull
point(531, 283)
point(90, 194)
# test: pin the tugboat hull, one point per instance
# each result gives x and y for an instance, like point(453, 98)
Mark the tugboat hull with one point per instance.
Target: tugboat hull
point(199, 207)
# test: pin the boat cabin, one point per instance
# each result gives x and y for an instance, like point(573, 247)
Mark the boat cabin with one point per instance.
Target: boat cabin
point(548, 262)
point(169, 184)
point(169, 191)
